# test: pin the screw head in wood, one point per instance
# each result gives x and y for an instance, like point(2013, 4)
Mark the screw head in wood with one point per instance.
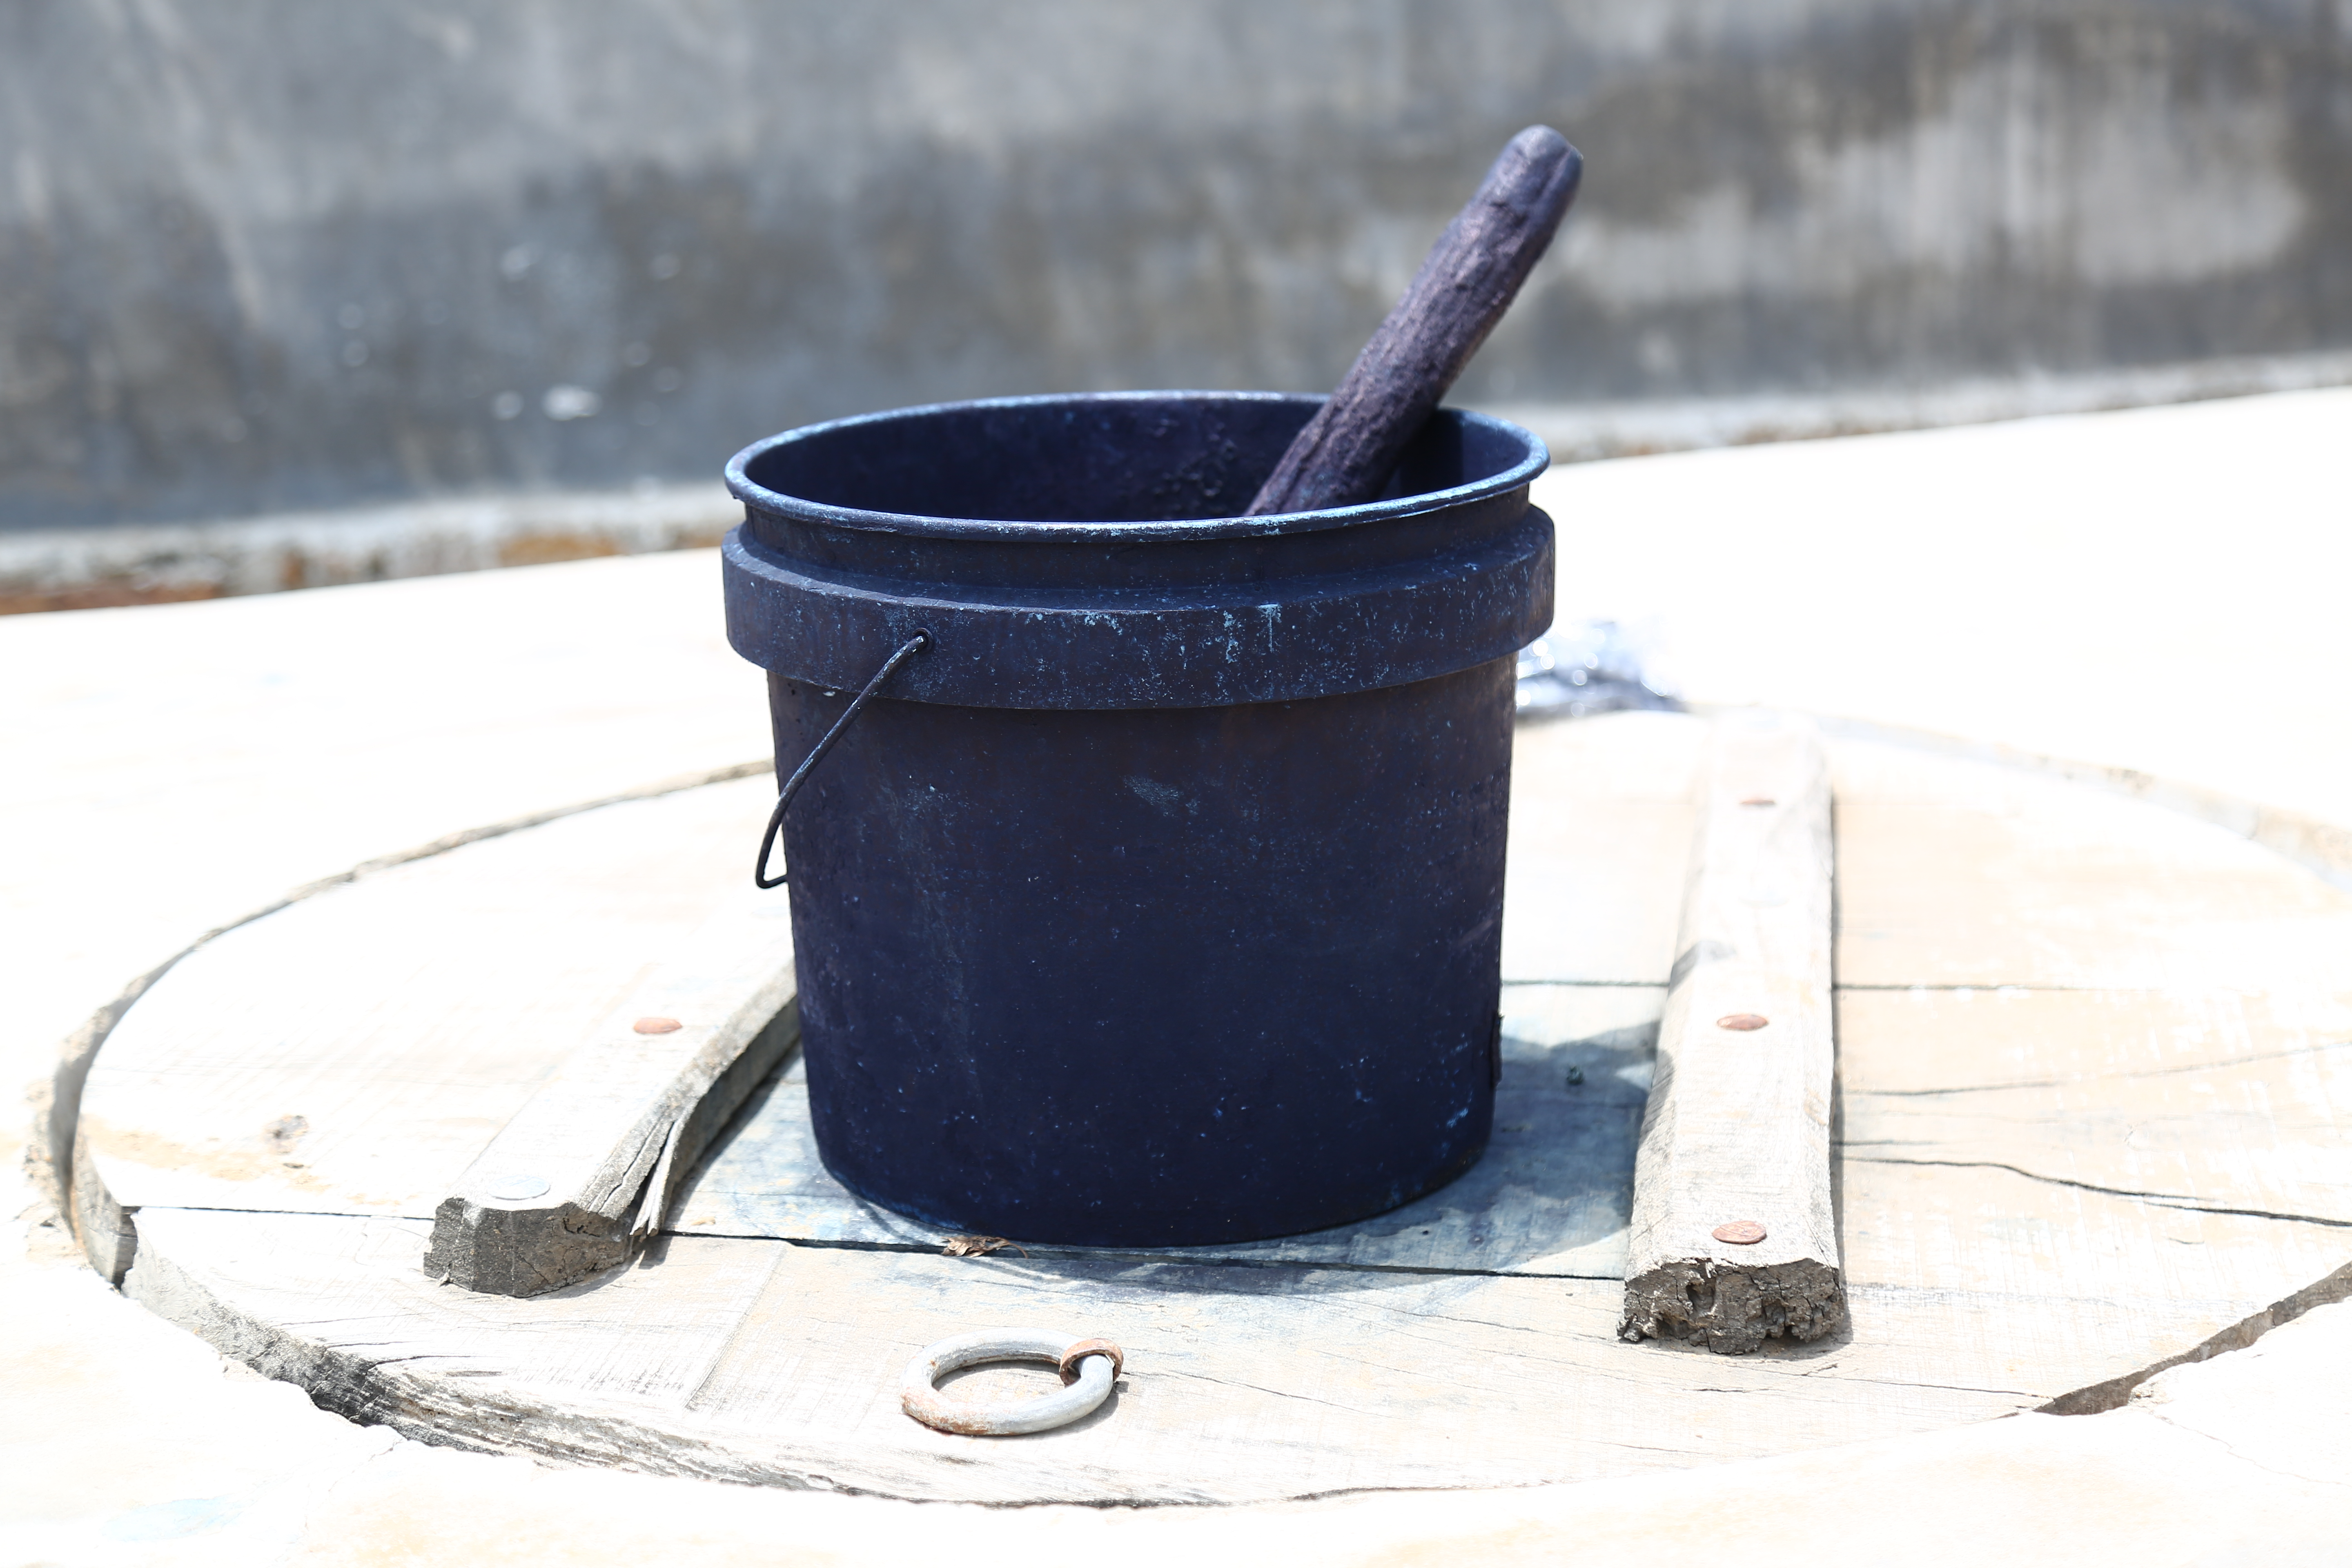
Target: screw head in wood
point(657, 1026)
point(1742, 1021)
point(1740, 1233)
point(515, 1187)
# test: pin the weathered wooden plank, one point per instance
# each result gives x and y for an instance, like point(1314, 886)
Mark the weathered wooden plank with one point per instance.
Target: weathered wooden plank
point(356, 1052)
point(1734, 1240)
point(1550, 1196)
point(583, 1173)
point(650, 1332)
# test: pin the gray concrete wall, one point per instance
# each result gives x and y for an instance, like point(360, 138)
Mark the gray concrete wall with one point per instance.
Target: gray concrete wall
point(278, 254)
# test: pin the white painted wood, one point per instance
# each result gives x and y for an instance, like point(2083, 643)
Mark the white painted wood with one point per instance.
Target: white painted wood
point(1737, 1132)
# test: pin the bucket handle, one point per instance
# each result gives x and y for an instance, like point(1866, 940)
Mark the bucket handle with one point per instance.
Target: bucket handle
point(913, 645)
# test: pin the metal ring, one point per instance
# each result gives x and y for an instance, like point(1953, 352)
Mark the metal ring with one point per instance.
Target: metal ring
point(920, 1396)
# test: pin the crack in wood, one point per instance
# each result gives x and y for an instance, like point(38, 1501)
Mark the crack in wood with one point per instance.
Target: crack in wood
point(2113, 1393)
point(2180, 1201)
point(2129, 1074)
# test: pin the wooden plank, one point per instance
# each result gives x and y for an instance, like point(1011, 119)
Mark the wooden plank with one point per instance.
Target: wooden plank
point(581, 1176)
point(355, 1053)
point(1550, 1196)
point(1734, 1240)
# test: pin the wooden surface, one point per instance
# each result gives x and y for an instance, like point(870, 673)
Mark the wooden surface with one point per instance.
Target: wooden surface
point(2042, 993)
point(356, 1053)
point(766, 1361)
point(1733, 1240)
point(277, 773)
point(1346, 453)
point(2092, 1053)
point(607, 1139)
point(609, 1136)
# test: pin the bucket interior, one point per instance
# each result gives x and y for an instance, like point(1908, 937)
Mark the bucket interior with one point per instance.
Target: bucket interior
point(1144, 459)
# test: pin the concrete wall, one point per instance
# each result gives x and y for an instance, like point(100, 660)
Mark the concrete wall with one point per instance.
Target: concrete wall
point(278, 254)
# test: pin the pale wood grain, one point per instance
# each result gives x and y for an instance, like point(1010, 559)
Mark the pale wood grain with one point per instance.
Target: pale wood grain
point(761, 1361)
point(1984, 875)
point(614, 1134)
point(2091, 1052)
point(108, 1237)
point(2080, 1150)
point(2208, 1101)
point(1737, 1127)
point(356, 1052)
point(1972, 1290)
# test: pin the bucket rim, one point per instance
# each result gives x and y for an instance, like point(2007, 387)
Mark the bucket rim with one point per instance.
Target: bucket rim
point(753, 494)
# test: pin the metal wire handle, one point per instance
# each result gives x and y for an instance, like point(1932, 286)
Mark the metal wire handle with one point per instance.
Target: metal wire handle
point(906, 649)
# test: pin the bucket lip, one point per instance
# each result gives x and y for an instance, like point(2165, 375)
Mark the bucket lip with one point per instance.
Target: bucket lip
point(800, 507)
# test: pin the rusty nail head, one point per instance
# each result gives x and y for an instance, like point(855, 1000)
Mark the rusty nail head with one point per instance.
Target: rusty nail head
point(1759, 800)
point(657, 1026)
point(1740, 1233)
point(1742, 1021)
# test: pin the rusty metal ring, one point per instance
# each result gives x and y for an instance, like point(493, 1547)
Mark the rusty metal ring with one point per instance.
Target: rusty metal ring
point(1068, 1364)
point(1098, 1362)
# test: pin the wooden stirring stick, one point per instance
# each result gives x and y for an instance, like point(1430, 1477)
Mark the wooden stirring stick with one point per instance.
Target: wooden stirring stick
point(1348, 450)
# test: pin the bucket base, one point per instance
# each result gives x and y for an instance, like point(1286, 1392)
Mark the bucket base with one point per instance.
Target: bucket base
point(1153, 977)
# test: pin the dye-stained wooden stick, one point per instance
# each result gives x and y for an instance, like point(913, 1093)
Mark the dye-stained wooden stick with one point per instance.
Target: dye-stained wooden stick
point(1469, 279)
point(1733, 1238)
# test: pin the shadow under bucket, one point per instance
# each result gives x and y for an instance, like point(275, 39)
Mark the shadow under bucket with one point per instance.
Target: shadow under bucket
point(1158, 899)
